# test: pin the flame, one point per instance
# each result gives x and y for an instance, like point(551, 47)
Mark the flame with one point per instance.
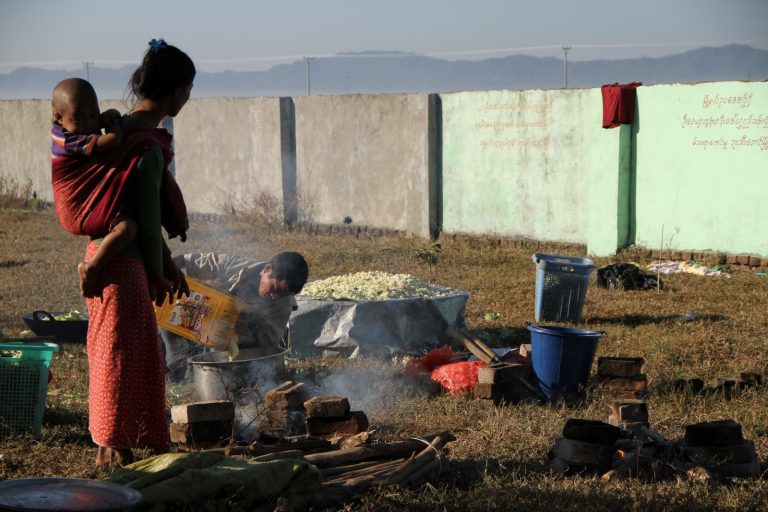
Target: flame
point(620, 454)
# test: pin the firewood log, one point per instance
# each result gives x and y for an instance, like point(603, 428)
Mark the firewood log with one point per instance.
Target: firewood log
point(377, 470)
point(375, 451)
point(425, 455)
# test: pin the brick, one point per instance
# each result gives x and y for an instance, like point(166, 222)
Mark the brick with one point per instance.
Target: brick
point(327, 406)
point(499, 373)
point(620, 366)
point(590, 431)
point(507, 392)
point(693, 385)
point(686, 255)
point(579, 452)
point(205, 433)
point(764, 262)
point(714, 433)
point(743, 259)
point(751, 378)
point(713, 455)
point(676, 256)
point(288, 423)
point(731, 382)
point(635, 383)
point(354, 423)
point(732, 259)
point(739, 470)
point(564, 467)
point(630, 411)
point(754, 261)
point(198, 412)
point(289, 395)
point(622, 394)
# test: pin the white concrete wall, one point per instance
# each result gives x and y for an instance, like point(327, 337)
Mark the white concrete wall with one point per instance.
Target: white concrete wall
point(365, 157)
point(25, 144)
point(534, 164)
point(228, 152)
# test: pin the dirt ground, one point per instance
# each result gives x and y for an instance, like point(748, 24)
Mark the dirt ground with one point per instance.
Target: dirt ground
point(698, 326)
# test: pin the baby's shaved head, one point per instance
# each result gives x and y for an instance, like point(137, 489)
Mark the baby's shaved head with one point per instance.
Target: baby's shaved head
point(72, 91)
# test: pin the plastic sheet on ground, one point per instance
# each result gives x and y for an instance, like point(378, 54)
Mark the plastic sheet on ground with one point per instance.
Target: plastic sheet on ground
point(690, 267)
point(382, 327)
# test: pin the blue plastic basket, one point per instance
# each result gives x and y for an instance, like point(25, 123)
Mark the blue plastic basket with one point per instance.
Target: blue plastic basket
point(24, 385)
point(561, 287)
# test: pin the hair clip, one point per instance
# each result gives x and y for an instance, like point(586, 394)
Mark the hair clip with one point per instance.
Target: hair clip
point(156, 45)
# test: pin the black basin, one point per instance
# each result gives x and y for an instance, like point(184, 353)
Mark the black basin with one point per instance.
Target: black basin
point(43, 323)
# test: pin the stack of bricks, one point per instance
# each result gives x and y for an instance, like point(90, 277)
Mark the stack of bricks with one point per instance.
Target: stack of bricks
point(627, 413)
point(728, 387)
point(331, 415)
point(284, 409)
point(586, 445)
point(621, 377)
point(202, 424)
point(501, 383)
point(720, 447)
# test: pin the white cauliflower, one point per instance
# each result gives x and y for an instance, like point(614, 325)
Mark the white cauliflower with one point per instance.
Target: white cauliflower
point(372, 286)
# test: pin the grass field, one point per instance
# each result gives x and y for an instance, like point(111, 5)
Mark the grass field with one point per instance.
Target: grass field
point(498, 461)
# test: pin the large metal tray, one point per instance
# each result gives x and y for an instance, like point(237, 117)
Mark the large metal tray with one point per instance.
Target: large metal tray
point(65, 495)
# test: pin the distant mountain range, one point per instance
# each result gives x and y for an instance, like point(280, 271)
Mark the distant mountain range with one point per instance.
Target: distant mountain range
point(397, 72)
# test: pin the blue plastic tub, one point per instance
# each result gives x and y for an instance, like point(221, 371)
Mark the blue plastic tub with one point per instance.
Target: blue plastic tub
point(561, 287)
point(562, 357)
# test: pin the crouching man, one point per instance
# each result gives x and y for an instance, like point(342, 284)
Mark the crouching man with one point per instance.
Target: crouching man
point(268, 287)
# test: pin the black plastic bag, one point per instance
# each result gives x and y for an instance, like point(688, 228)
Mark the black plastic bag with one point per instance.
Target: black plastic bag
point(626, 276)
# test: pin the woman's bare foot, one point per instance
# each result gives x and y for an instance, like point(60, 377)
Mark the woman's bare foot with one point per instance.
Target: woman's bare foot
point(113, 457)
point(89, 279)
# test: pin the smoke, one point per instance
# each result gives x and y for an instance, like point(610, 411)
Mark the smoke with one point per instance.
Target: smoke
point(370, 388)
point(244, 383)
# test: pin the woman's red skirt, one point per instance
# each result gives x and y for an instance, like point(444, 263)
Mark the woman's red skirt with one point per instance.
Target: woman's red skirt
point(125, 361)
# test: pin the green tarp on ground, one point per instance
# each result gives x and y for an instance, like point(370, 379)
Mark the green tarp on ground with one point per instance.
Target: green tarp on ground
point(186, 478)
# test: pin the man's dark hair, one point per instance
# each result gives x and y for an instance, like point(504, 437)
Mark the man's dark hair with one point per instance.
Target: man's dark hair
point(292, 268)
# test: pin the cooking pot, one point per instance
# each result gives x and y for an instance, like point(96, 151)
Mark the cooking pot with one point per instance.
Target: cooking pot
point(215, 377)
point(43, 323)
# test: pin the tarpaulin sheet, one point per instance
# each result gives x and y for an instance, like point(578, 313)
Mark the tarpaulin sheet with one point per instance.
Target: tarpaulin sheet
point(351, 328)
point(190, 478)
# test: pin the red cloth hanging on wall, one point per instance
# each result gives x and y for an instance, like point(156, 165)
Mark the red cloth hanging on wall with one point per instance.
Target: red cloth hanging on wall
point(619, 103)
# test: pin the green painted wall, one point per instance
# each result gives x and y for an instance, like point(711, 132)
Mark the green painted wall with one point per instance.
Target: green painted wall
point(530, 163)
point(702, 167)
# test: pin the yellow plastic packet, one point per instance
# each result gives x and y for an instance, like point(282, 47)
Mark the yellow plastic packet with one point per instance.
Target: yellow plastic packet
point(205, 316)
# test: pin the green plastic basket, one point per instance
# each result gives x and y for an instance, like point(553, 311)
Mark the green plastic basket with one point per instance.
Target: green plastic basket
point(23, 386)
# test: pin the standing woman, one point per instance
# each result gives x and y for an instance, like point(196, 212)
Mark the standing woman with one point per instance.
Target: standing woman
point(125, 364)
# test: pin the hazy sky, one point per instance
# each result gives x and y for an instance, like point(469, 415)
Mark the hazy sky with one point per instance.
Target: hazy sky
point(256, 34)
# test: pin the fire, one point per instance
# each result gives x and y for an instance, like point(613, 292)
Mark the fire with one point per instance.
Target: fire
point(620, 454)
